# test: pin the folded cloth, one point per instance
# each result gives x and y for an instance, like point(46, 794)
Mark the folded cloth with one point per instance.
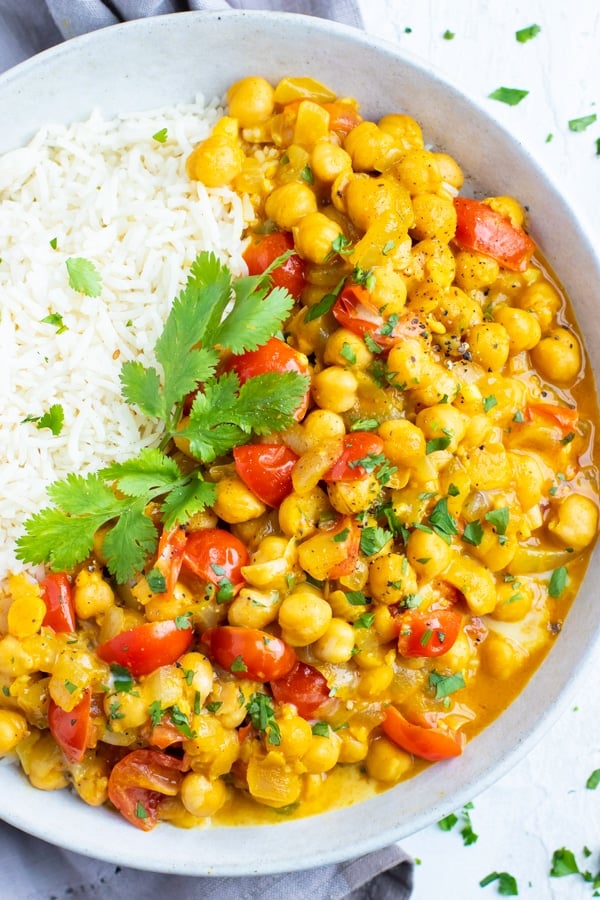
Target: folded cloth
point(34, 869)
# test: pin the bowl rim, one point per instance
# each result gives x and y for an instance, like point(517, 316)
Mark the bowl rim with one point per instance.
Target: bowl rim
point(130, 850)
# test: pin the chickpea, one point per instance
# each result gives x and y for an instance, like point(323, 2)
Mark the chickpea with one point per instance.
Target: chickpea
point(337, 644)
point(459, 657)
point(509, 207)
point(515, 600)
point(93, 595)
point(386, 761)
point(523, 329)
point(202, 797)
point(299, 514)
point(410, 364)
point(158, 607)
point(542, 300)
point(215, 161)
point(328, 161)
point(419, 172)
point(474, 271)
point(391, 578)
point(296, 736)
point(344, 348)
point(501, 657)
point(575, 521)
point(253, 608)
point(404, 443)
point(43, 762)
point(435, 217)
point(433, 263)
point(557, 356)
point(124, 711)
point(370, 148)
point(529, 476)
point(314, 236)
point(475, 582)
point(389, 291)
point(272, 781)
point(27, 610)
point(335, 389)
point(343, 609)
point(251, 101)
point(235, 502)
point(428, 554)
point(374, 682)
point(231, 699)
point(349, 497)
point(304, 617)
point(367, 199)
point(198, 674)
point(487, 466)
point(321, 425)
point(313, 464)
point(405, 131)
point(489, 345)
point(214, 749)
point(323, 753)
point(384, 623)
point(288, 204)
point(450, 171)
point(13, 728)
point(442, 420)
point(458, 311)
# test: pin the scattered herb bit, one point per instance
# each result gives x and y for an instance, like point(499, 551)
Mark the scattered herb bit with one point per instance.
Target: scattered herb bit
point(473, 533)
point(342, 245)
point(214, 706)
point(388, 247)
point(161, 136)
point(558, 582)
point(262, 715)
point(563, 863)
point(446, 684)
point(434, 444)
point(238, 665)
point(489, 403)
point(453, 491)
point(156, 581)
point(549, 137)
point(181, 723)
point(84, 277)
point(356, 598)
point(56, 320)
point(527, 34)
point(368, 462)
point(498, 518)
point(593, 781)
point(597, 146)
point(53, 243)
point(122, 679)
point(321, 729)
point(518, 417)
point(70, 686)
point(53, 419)
point(364, 425)
point(449, 35)
point(510, 96)
point(507, 884)
point(155, 712)
point(140, 810)
point(426, 637)
point(582, 122)
point(348, 353)
point(325, 304)
point(114, 711)
point(568, 438)
point(341, 536)
point(442, 522)
point(408, 30)
point(448, 822)
point(365, 620)
point(373, 539)
point(307, 175)
point(468, 835)
point(184, 622)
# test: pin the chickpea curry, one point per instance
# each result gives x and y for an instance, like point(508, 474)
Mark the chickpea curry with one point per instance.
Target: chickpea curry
point(379, 494)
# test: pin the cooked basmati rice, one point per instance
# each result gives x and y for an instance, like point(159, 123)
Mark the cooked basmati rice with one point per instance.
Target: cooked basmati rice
point(106, 191)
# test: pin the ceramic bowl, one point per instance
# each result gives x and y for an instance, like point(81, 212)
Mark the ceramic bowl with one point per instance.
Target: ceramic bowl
point(150, 62)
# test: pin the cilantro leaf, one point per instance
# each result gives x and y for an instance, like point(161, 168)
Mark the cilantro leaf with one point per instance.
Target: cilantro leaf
point(507, 884)
point(252, 322)
point(84, 277)
point(58, 540)
point(473, 533)
point(442, 522)
point(448, 822)
point(510, 96)
point(143, 473)
point(186, 499)
point(56, 320)
point(53, 419)
point(563, 863)
point(499, 519)
point(373, 539)
point(582, 123)
point(129, 542)
point(140, 386)
point(446, 684)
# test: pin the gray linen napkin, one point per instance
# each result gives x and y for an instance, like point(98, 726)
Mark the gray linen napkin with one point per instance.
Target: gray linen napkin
point(34, 869)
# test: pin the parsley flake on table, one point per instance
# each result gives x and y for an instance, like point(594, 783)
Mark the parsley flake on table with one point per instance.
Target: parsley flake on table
point(161, 136)
point(510, 96)
point(507, 884)
point(563, 863)
point(527, 34)
point(449, 35)
point(593, 780)
point(582, 122)
point(84, 277)
point(210, 311)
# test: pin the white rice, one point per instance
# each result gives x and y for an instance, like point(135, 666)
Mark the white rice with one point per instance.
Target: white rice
point(108, 192)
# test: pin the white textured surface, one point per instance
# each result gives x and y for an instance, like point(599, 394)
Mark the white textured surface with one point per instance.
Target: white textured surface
point(543, 804)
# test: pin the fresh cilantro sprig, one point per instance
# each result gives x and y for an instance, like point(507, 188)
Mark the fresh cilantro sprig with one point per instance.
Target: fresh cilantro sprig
point(211, 312)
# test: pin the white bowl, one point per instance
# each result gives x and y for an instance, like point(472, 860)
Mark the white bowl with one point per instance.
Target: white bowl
point(152, 62)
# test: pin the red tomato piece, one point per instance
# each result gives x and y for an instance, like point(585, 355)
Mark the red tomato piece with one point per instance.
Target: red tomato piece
point(427, 743)
point(171, 548)
point(57, 594)
point(267, 470)
point(482, 229)
point(264, 249)
point(343, 117)
point(249, 652)
point(140, 781)
point(350, 545)
point(358, 446)
point(274, 356)
point(147, 647)
point(428, 633)
point(564, 416)
point(71, 730)
point(217, 556)
point(305, 687)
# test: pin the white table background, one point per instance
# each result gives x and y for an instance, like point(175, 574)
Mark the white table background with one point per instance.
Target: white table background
point(543, 804)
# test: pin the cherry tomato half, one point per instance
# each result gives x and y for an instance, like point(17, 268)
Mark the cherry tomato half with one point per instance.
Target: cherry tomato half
point(267, 470)
point(482, 229)
point(249, 652)
point(305, 687)
point(147, 647)
point(274, 356)
point(264, 249)
point(359, 446)
point(217, 556)
point(57, 594)
point(139, 783)
point(426, 743)
point(428, 633)
point(71, 730)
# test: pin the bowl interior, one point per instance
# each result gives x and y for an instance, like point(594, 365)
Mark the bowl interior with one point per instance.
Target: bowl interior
point(154, 62)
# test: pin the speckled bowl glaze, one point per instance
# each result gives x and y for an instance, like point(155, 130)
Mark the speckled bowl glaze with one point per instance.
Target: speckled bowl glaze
point(150, 62)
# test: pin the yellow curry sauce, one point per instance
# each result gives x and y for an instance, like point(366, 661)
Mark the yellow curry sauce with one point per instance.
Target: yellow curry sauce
point(414, 541)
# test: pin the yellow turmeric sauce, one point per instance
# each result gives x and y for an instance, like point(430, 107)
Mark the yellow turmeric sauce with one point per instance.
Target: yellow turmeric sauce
point(438, 513)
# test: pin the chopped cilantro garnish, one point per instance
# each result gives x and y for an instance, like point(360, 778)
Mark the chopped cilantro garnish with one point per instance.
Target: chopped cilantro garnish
point(181, 723)
point(449, 35)
point(473, 533)
point(498, 518)
point(140, 810)
point(56, 320)
point(161, 136)
point(155, 711)
point(184, 622)
point(435, 444)
point(262, 715)
point(364, 425)
point(53, 419)
point(373, 539)
point(70, 686)
point(156, 581)
point(593, 781)
point(84, 276)
point(325, 304)
point(122, 679)
point(307, 175)
point(53, 243)
point(448, 822)
point(442, 522)
point(238, 665)
point(558, 582)
point(341, 536)
point(365, 620)
point(321, 729)
point(357, 598)
point(510, 96)
point(348, 353)
point(489, 403)
point(214, 706)
point(582, 123)
point(446, 684)
point(507, 884)
point(526, 34)
point(563, 863)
